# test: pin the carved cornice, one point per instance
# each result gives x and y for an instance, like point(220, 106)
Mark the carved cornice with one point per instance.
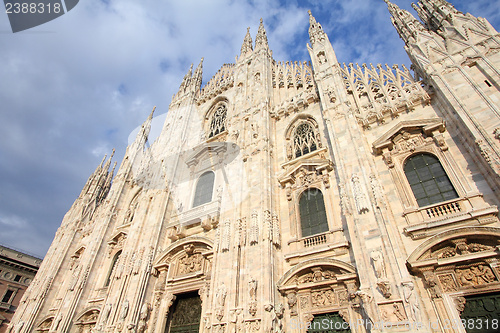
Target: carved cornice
point(425, 126)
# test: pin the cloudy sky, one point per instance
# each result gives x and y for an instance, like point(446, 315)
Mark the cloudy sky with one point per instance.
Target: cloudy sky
point(74, 88)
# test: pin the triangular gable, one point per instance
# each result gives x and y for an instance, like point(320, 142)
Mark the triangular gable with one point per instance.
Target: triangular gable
point(427, 126)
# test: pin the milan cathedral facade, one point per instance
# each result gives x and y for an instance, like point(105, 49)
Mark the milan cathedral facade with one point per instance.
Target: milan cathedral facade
point(298, 197)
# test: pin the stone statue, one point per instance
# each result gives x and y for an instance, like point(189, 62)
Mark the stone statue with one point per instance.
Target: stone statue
point(411, 300)
point(252, 289)
point(378, 264)
point(221, 295)
point(124, 311)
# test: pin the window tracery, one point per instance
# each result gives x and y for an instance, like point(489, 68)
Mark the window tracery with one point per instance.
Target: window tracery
point(304, 140)
point(218, 122)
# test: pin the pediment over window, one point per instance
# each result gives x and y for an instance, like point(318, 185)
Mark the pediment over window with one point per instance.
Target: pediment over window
point(406, 130)
point(460, 244)
point(45, 324)
point(186, 258)
point(318, 272)
point(116, 242)
point(306, 170)
point(88, 319)
point(208, 151)
point(459, 260)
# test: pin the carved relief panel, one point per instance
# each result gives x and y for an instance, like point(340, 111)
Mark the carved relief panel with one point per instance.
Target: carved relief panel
point(319, 286)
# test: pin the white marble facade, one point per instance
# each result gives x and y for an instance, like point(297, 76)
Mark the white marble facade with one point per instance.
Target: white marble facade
point(263, 135)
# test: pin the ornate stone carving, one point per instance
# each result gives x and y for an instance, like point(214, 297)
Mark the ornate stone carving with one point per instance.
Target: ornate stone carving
point(143, 317)
point(411, 300)
point(219, 328)
point(385, 288)
point(448, 283)
point(475, 275)
point(456, 247)
point(317, 274)
point(190, 263)
point(277, 318)
point(276, 230)
point(367, 305)
point(378, 263)
point(496, 133)
point(252, 326)
point(376, 190)
point(323, 298)
point(359, 195)
point(225, 236)
point(220, 297)
point(488, 155)
point(431, 284)
point(392, 312)
point(292, 303)
point(254, 228)
point(460, 304)
point(124, 310)
point(252, 293)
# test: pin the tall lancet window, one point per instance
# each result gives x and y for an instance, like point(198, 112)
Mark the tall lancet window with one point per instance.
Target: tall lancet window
point(113, 267)
point(204, 189)
point(218, 123)
point(304, 140)
point(428, 180)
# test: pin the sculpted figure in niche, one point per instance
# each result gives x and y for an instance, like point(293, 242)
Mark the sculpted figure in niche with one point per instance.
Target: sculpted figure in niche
point(221, 294)
point(411, 299)
point(143, 317)
point(124, 311)
point(378, 264)
point(252, 289)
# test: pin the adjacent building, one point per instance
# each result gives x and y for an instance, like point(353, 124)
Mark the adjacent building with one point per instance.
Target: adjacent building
point(17, 270)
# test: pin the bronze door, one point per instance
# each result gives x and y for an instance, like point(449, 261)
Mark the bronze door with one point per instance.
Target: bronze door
point(185, 315)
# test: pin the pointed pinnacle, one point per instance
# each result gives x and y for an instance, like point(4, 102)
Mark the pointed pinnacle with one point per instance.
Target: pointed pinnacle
point(152, 112)
point(102, 162)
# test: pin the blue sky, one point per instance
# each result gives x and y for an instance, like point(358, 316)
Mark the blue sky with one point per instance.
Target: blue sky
point(74, 88)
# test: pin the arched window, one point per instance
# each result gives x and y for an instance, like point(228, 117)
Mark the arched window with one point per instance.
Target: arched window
point(204, 189)
point(112, 268)
point(218, 123)
point(312, 212)
point(428, 180)
point(304, 140)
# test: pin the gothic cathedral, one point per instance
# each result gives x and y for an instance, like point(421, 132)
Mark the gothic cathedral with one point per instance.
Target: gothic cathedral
point(298, 197)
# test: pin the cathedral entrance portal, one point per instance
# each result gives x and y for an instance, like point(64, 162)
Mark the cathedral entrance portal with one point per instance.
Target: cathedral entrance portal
point(185, 315)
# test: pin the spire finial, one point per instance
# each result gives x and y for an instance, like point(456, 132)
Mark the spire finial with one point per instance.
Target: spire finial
point(246, 47)
point(150, 115)
point(198, 75)
point(316, 32)
point(261, 38)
